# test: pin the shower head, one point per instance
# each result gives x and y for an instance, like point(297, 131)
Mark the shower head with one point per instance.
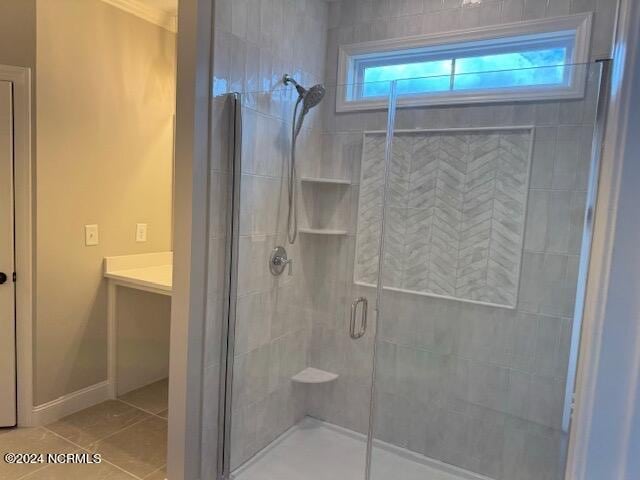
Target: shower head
point(308, 98)
point(311, 97)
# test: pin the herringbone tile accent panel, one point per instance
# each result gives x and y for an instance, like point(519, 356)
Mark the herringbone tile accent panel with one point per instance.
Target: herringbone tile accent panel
point(455, 215)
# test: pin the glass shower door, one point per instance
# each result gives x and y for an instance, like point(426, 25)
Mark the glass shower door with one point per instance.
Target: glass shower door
point(474, 311)
point(485, 253)
point(300, 332)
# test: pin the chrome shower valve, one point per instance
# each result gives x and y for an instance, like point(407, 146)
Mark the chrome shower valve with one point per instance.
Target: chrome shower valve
point(279, 261)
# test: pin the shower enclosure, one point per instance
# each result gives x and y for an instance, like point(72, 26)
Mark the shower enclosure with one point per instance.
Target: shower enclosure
point(425, 324)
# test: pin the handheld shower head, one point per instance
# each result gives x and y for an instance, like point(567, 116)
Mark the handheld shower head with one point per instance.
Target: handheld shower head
point(313, 97)
point(308, 98)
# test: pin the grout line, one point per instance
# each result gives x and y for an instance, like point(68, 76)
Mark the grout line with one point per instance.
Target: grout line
point(26, 475)
point(122, 429)
point(160, 469)
point(84, 449)
point(142, 409)
point(111, 434)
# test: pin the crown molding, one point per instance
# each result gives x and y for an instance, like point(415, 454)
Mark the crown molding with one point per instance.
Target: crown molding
point(146, 12)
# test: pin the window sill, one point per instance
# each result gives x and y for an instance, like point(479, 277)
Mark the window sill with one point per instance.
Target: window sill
point(467, 98)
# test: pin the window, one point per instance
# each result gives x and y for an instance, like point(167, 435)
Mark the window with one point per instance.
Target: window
point(538, 60)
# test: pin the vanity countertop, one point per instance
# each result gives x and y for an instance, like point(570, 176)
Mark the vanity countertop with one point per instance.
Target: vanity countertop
point(150, 271)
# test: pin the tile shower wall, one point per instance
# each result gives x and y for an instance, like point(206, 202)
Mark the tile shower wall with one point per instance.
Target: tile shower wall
point(256, 42)
point(479, 387)
point(482, 383)
point(456, 213)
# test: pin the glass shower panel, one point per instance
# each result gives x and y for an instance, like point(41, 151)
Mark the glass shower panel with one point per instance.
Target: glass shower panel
point(484, 265)
point(301, 381)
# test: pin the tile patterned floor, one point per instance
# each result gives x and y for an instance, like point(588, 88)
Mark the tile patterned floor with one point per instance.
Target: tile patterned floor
point(130, 433)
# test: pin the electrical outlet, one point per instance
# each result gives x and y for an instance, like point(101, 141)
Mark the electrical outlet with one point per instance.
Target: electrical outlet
point(91, 236)
point(141, 232)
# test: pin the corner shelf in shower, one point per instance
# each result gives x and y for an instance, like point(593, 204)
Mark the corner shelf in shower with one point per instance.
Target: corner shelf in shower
point(327, 181)
point(314, 375)
point(323, 231)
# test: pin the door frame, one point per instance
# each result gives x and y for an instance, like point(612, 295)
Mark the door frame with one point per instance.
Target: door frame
point(593, 347)
point(190, 238)
point(20, 77)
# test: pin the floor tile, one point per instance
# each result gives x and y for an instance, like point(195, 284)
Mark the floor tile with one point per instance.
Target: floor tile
point(152, 398)
point(160, 474)
point(29, 440)
point(101, 471)
point(140, 449)
point(164, 414)
point(94, 423)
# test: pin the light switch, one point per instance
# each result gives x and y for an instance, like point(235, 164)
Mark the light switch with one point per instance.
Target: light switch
point(91, 236)
point(141, 232)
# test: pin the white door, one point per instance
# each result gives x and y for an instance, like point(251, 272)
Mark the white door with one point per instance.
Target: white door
point(7, 286)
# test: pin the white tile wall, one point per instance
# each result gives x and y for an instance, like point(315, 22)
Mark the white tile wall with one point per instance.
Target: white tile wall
point(361, 20)
point(256, 43)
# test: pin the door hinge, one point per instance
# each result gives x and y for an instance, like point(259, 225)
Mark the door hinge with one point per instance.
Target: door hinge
point(14, 276)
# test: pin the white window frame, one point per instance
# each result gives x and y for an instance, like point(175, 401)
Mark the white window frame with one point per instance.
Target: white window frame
point(575, 28)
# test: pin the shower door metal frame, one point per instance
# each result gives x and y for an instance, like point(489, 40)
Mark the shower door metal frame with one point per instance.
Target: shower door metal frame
point(587, 241)
point(232, 249)
point(388, 157)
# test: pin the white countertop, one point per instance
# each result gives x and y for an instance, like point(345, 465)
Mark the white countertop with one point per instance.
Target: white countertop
point(151, 272)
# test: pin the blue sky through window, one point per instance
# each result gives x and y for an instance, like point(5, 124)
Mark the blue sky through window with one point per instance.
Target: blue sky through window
point(534, 68)
point(424, 77)
point(504, 70)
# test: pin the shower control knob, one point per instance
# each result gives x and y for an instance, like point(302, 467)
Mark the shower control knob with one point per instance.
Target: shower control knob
point(279, 261)
point(3, 278)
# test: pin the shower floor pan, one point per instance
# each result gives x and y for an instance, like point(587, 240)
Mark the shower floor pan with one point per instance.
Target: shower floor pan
point(315, 450)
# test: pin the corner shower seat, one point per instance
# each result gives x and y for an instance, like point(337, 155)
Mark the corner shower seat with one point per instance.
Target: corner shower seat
point(312, 375)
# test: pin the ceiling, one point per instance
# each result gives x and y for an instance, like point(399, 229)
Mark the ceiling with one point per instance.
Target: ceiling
point(171, 6)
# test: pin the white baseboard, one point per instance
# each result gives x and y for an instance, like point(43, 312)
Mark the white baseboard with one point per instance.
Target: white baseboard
point(67, 404)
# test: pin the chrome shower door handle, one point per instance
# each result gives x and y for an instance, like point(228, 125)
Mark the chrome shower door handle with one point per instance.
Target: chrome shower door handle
point(362, 328)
